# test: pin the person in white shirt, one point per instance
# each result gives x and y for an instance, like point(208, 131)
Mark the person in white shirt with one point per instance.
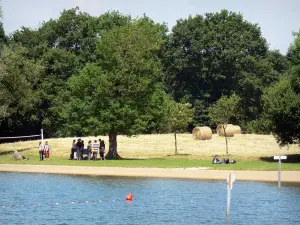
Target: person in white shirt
point(95, 150)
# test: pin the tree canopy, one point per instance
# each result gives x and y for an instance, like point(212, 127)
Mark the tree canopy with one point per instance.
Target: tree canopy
point(115, 95)
point(111, 74)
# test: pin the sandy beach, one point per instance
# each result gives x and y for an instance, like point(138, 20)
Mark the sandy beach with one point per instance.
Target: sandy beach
point(182, 173)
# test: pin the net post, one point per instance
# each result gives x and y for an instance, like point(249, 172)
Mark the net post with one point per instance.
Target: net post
point(42, 137)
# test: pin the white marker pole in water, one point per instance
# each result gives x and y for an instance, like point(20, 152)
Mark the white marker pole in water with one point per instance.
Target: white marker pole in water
point(230, 180)
point(279, 168)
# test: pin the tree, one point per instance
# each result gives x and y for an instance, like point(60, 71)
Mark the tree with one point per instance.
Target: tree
point(64, 45)
point(293, 54)
point(180, 115)
point(113, 96)
point(282, 110)
point(2, 33)
point(225, 110)
point(217, 54)
point(19, 81)
point(281, 101)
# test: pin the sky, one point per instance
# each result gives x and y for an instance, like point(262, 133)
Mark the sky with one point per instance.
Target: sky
point(278, 19)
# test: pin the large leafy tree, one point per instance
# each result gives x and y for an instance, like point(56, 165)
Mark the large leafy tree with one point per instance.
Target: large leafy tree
point(282, 109)
point(115, 95)
point(217, 54)
point(293, 54)
point(282, 101)
point(18, 93)
point(64, 45)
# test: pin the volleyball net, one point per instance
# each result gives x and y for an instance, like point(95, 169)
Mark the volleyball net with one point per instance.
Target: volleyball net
point(17, 142)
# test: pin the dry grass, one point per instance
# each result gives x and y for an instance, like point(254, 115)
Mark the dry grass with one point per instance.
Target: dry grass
point(241, 146)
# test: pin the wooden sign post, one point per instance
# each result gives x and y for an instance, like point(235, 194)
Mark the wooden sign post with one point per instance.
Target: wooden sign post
point(279, 158)
point(230, 180)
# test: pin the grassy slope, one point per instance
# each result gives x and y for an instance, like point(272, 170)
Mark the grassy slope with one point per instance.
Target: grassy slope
point(158, 151)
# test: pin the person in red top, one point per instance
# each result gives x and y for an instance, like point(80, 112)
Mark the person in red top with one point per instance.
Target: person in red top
point(47, 150)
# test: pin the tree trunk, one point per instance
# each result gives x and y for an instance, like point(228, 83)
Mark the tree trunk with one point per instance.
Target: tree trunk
point(113, 151)
point(225, 135)
point(175, 143)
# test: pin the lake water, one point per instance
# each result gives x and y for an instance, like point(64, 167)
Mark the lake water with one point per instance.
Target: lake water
point(62, 199)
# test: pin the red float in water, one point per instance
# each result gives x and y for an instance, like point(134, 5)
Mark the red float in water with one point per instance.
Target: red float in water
point(129, 197)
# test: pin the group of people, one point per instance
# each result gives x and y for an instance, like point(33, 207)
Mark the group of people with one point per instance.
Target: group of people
point(78, 150)
point(216, 160)
point(44, 151)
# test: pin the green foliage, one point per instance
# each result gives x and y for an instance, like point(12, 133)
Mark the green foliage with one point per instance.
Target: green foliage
point(282, 108)
point(64, 45)
point(258, 126)
point(115, 95)
point(219, 54)
point(19, 80)
point(225, 109)
point(180, 116)
point(293, 54)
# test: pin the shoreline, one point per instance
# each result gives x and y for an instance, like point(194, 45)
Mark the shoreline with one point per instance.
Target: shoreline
point(178, 173)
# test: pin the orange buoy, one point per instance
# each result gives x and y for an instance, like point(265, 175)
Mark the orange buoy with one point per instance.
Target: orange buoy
point(129, 197)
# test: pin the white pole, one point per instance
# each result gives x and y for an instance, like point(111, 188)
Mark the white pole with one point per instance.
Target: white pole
point(42, 136)
point(279, 172)
point(228, 195)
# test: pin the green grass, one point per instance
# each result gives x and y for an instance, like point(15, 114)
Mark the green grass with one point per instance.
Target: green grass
point(166, 162)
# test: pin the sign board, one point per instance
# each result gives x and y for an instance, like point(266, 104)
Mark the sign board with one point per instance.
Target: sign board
point(281, 157)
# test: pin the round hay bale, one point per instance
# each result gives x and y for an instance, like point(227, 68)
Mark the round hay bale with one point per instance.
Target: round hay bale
point(202, 133)
point(237, 129)
point(228, 129)
point(219, 127)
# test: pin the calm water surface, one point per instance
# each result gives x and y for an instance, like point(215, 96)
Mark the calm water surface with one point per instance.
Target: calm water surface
point(61, 199)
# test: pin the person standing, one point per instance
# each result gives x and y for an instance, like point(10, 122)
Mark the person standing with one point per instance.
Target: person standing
point(78, 149)
point(102, 150)
point(89, 149)
point(41, 151)
point(95, 150)
point(73, 149)
point(82, 149)
point(47, 150)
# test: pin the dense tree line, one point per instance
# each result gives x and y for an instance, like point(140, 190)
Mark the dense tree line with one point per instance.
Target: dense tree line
point(112, 74)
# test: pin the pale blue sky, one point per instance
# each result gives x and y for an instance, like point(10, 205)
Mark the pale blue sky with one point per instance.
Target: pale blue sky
point(277, 18)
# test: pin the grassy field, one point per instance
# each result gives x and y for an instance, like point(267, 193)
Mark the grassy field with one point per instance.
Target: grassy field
point(252, 152)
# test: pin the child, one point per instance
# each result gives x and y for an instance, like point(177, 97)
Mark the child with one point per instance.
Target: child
point(47, 150)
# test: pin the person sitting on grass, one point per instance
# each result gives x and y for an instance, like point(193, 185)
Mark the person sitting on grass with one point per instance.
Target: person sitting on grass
point(216, 160)
point(223, 161)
